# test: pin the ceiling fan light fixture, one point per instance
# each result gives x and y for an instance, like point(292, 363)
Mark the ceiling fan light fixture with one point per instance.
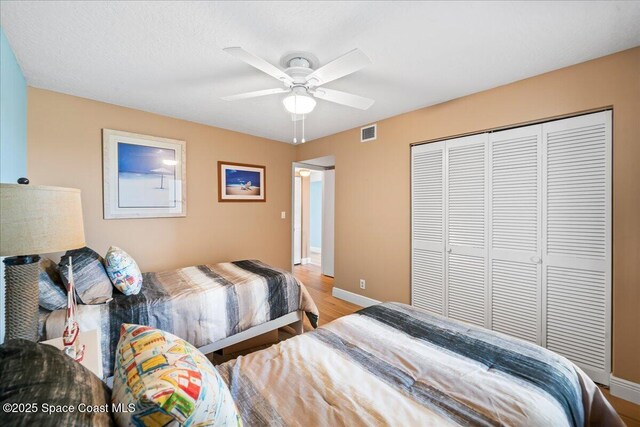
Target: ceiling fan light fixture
point(299, 104)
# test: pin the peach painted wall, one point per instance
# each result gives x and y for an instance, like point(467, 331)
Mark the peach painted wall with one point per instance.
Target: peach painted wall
point(372, 218)
point(65, 149)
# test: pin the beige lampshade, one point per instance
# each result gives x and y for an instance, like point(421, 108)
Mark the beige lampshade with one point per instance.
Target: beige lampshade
point(37, 219)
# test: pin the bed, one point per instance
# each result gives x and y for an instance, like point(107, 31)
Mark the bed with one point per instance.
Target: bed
point(392, 364)
point(210, 306)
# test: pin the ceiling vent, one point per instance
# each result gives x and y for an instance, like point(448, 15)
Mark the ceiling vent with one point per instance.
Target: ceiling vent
point(368, 133)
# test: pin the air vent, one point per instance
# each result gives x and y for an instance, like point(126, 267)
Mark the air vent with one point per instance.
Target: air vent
point(368, 133)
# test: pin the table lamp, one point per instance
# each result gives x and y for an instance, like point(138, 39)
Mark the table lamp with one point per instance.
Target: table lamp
point(34, 219)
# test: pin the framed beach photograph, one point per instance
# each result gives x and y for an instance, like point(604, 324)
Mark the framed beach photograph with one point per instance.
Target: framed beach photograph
point(143, 176)
point(239, 182)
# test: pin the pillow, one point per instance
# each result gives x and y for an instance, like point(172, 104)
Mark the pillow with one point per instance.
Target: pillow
point(169, 381)
point(123, 271)
point(43, 315)
point(53, 294)
point(90, 278)
point(38, 379)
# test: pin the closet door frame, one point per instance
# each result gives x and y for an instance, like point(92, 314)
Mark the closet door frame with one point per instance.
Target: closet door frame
point(601, 376)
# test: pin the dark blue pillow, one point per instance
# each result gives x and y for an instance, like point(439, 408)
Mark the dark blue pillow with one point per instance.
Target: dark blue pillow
point(53, 293)
point(93, 286)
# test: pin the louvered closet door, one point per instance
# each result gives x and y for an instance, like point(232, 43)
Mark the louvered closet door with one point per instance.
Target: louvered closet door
point(466, 236)
point(577, 240)
point(427, 196)
point(515, 247)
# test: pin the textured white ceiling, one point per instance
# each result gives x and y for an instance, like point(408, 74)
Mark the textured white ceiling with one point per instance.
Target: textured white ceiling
point(167, 58)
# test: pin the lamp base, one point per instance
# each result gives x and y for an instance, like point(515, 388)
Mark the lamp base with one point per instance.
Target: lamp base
point(21, 297)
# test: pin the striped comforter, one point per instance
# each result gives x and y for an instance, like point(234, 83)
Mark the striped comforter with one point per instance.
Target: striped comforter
point(200, 304)
point(394, 365)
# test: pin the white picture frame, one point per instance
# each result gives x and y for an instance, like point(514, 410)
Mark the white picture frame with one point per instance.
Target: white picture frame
point(143, 176)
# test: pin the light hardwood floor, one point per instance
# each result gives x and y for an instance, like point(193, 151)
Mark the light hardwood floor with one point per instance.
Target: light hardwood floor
point(629, 412)
point(320, 288)
point(331, 308)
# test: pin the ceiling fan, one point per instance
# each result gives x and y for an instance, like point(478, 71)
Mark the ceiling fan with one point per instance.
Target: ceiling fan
point(303, 80)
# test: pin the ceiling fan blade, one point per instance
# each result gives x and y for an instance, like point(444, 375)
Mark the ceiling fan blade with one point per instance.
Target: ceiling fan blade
point(348, 63)
point(259, 63)
point(255, 94)
point(344, 98)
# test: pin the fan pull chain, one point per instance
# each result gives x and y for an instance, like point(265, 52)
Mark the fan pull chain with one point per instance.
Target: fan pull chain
point(295, 117)
point(295, 140)
point(303, 118)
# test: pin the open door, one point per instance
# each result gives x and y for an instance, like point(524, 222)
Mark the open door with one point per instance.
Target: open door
point(328, 205)
point(312, 219)
point(297, 222)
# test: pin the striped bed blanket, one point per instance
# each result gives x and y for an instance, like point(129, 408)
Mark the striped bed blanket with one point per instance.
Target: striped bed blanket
point(393, 365)
point(200, 304)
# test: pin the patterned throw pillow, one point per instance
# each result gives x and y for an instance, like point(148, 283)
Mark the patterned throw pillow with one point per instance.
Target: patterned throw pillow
point(37, 381)
point(123, 271)
point(90, 278)
point(53, 294)
point(169, 381)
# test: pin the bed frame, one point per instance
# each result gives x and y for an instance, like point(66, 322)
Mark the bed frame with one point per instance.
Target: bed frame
point(295, 319)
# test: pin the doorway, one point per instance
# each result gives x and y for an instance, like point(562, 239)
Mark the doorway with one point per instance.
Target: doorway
point(312, 222)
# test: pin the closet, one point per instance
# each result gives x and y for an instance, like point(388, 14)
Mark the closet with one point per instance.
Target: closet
point(511, 230)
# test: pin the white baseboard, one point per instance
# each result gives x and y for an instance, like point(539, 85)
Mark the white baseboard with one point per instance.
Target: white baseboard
point(625, 389)
point(315, 250)
point(356, 299)
point(304, 261)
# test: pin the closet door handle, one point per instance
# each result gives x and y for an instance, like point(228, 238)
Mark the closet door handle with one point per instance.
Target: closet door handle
point(449, 250)
point(536, 259)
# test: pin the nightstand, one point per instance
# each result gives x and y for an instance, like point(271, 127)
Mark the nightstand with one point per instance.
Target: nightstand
point(92, 353)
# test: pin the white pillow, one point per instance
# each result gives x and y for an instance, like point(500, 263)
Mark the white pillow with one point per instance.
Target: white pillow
point(123, 271)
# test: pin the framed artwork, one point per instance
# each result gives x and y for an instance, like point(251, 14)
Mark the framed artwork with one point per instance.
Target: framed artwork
point(143, 176)
point(239, 182)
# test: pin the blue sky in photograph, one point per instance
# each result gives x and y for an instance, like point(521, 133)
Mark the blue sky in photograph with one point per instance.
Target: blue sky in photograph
point(143, 159)
point(233, 176)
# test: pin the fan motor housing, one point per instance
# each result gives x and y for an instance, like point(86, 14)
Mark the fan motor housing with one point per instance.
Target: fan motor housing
point(299, 65)
point(310, 58)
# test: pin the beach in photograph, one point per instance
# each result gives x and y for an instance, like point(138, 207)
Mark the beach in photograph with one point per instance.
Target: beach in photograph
point(236, 190)
point(242, 182)
point(136, 190)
